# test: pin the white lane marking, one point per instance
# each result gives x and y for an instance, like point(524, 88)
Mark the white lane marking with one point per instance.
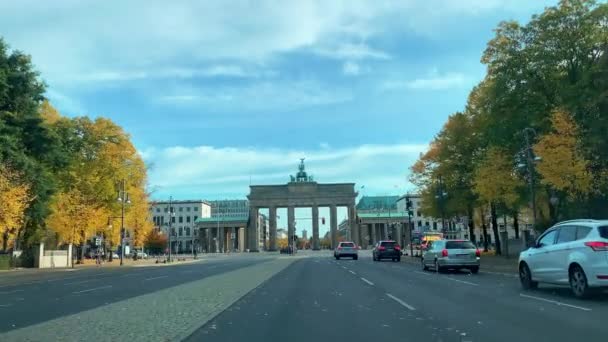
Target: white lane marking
point(462, 281)
point(502, 274)
point(367, 281)
point(555, 302)
point(165, 276)
point(4, 305)
point(401, 302)
point(93, 289)
point(352, 272)
point(9, 292)
point(344, 267)
point(81, 282)
point(420, 272)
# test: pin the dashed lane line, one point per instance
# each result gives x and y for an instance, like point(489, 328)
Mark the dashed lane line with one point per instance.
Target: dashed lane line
point(367, 281)
point(153, 278)
point(352, 272)
point(93, 289)
point(401, 302)
point(555, 302)
point(462, 281)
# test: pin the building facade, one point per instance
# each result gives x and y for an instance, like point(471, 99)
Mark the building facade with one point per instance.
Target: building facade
point(180, 225)
point(455, 228)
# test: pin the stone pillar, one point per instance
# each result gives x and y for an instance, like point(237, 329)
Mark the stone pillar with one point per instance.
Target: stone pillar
point(315, 228)
point(384, 231)
point(272, 224)
point(253, 243)
point(291, 216)
point(222, 240)
point(354, 225)
point(333, 219)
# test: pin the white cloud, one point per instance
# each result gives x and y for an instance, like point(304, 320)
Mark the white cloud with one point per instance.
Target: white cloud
point(351, 68)
point(432, 81)
point(65, 37)
point(262, 95)
point(211, 172)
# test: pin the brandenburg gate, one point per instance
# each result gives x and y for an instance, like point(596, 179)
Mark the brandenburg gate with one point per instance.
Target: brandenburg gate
point(301, 191)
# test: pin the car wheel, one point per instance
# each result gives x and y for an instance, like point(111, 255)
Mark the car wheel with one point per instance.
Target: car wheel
point(337, 257)
point(578, 282)
point(399, 259)
point(437, 268)
point(475, 269)
point(525, 278)
point(424, 267)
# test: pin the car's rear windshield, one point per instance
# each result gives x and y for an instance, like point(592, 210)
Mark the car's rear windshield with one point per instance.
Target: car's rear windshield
point(348, 244)
point(459, 245)
point(388, 244)
point(603, 231)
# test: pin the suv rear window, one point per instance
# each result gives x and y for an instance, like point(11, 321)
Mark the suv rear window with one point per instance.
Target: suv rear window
point(347, 244)
point(459, 245)
point(388, 244)
point(603, 231)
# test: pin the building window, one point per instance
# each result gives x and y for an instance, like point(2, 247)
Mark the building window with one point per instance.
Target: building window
point(166, 210)
point(419, 223)
point(187, 231)
point(187, 219)
point(181, 219)
point(418, 214)
point(172, 231)
point(194, 219)
point(434, 225)
point(162, 220)
point(188, 209)
point(195, 208)
point(180, 209)
point(173, 219)
point(158, 210)
point(181, 231)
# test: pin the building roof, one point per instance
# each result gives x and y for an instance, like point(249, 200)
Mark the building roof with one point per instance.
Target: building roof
point(179, 202)
point(410, 196)
point(382, 215)
point(377, 202)
point(222, 219)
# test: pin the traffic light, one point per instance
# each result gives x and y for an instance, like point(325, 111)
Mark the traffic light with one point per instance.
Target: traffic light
point(408, 203)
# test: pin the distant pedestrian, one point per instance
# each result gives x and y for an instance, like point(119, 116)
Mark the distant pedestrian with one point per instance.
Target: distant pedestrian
point(98, 258)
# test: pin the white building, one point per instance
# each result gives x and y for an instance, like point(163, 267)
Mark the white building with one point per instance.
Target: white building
point(455, 228)
point(185, 214)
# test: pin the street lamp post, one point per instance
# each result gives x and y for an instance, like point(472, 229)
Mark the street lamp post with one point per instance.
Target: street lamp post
point(441, 196)
point(123, 198)
point(170, 232)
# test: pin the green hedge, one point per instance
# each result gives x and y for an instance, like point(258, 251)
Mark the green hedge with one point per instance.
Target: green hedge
point(5, 262)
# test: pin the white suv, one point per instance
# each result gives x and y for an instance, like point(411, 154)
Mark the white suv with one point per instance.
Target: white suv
point(572, 252)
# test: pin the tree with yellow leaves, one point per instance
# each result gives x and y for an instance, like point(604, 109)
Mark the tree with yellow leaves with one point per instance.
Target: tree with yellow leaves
point(562, 166)
point(15, 198)
point(496, 183)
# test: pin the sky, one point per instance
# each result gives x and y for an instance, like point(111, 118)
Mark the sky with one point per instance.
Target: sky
point(218, 95)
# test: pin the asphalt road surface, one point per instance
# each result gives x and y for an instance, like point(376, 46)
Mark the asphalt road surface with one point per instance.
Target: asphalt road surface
point(281, 298)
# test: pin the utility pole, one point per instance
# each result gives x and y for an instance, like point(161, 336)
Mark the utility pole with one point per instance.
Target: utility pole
point(408, 206)
point(123, 198)
point(170, 233)
point(530, 162)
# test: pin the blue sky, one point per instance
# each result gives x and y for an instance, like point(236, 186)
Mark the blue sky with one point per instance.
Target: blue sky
point(218, 94)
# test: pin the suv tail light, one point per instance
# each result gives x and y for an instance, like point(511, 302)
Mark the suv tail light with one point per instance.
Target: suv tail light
point(477, 253)
point(597, 246)
point(444, 253)
point(397, 248)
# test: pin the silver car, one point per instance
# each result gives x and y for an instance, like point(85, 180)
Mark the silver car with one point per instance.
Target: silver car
point(571, 253)
point(346, 249)
point(455, 254)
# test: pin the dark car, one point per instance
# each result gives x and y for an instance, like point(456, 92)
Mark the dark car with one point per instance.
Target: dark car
point(387, 250)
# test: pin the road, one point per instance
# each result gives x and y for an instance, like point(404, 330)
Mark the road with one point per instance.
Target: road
point(308, 297)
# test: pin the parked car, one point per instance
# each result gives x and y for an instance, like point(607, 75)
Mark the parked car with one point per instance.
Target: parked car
point(346, 249)
point(451, 254)
point(571, 253)
point(386, 250)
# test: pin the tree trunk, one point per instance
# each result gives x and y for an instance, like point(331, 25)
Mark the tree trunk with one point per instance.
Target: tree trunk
point(484, 227)
point(471, 225)
point(495, 228)
point(516, 225)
